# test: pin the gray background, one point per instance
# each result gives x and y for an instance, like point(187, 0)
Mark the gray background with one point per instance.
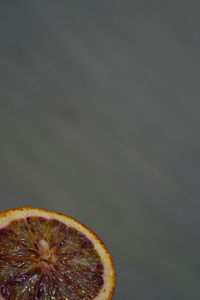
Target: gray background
point(100, 116)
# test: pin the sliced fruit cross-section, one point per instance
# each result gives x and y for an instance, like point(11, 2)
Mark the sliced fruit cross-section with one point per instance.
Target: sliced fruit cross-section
point(49, 256)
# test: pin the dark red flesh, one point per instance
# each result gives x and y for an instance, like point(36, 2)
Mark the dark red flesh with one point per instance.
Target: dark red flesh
point(47, 260)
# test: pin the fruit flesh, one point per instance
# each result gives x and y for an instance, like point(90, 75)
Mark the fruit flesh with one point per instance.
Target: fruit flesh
point(45, 259)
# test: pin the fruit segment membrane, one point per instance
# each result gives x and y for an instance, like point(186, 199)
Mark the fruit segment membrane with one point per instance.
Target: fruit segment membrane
point(46, 259)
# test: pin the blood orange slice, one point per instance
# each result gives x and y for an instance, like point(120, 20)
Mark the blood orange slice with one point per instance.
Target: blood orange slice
point(49, 256)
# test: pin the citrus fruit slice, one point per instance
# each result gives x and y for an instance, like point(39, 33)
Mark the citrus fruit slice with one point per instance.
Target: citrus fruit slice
point(50, 256)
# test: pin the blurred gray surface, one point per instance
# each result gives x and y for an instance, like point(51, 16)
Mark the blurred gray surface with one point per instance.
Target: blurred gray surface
point(100, 117)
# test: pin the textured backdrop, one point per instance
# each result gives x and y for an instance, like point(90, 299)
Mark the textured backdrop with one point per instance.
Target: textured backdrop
point(99, 119)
